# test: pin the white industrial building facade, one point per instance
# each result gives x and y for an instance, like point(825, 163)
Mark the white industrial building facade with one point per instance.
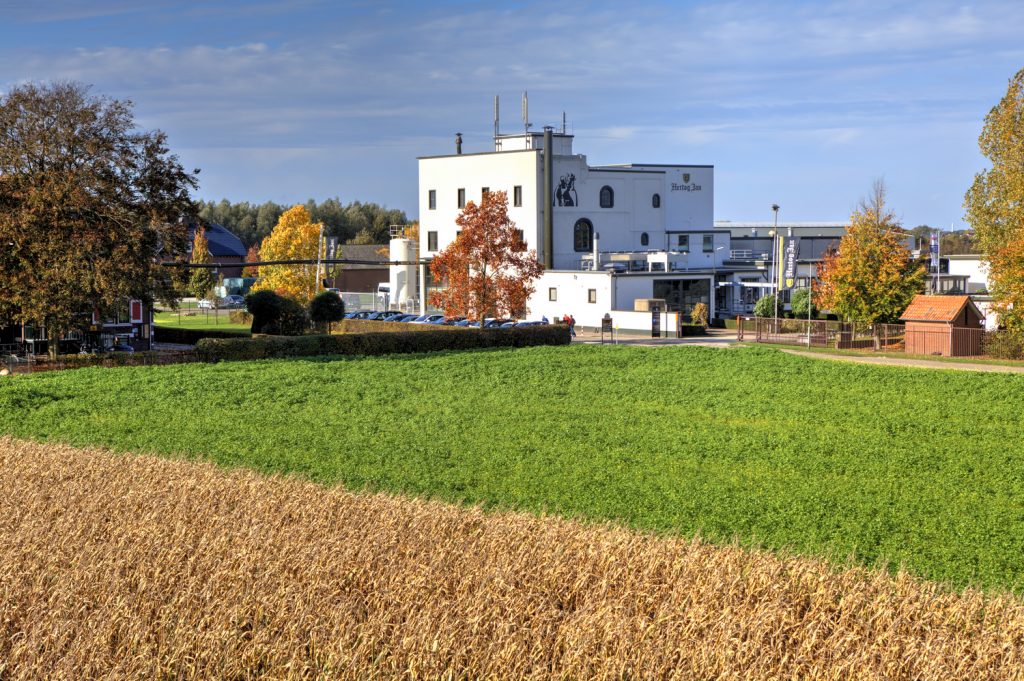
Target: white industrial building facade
point(608, 236)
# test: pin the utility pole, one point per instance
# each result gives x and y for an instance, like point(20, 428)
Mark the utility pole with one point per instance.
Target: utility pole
point(775, 256)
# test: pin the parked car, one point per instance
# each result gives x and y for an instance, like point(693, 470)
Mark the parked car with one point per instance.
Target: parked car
point(496, 323)
point(405, 318)
point(430, 319)
point(392, 315)
point(121, 347)
point(531, 322)
point(455, 321)
point(233, 301)
point(205, 304)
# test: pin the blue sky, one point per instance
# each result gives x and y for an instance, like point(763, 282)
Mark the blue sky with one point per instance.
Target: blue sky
point(803, 104)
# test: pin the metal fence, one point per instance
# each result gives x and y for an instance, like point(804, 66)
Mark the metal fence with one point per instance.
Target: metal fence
point(917, 340)
point(14, 360)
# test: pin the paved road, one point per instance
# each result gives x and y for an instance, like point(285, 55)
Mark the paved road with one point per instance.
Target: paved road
point(920, 363)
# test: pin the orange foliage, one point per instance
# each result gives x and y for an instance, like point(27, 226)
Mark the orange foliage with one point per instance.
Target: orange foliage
point(487, 269)
point(252, 256)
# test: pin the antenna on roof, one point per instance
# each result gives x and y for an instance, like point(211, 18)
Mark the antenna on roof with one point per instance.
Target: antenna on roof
point(526, 112)
point(563, 122)
point(495, 116)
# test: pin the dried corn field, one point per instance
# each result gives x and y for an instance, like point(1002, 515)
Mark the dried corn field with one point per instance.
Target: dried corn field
point(137, 567)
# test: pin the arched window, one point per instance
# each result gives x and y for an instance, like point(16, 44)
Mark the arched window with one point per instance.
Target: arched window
point(583, 236)
point(656, 201)
point(607, 197)
point(644, 239)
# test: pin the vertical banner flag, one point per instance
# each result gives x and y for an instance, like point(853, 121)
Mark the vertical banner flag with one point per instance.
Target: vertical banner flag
point(935, 251)
point(787, 249)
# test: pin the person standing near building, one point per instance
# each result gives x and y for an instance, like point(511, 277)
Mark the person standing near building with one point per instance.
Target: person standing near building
point(572, 326)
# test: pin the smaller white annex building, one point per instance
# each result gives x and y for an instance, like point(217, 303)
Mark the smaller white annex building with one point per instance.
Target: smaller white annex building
point(611, 238)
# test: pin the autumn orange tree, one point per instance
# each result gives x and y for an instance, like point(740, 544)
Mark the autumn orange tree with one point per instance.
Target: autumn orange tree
point(294, 238)
point(871, 277)
point(487, 270)
point(252, 255)
point(995, 204)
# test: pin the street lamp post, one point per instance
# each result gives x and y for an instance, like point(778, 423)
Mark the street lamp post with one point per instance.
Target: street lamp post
point(775, 255)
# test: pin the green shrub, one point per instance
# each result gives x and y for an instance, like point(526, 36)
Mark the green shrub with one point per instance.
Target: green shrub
point(293, 320)
point(373, 326)
point(692, 330)
point(1005, 344)
point(765, 306)
point(325, 308)
point(379, 343)
point(173, 334)
point(272, 313)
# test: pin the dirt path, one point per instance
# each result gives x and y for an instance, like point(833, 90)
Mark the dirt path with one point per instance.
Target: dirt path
point(920, 363)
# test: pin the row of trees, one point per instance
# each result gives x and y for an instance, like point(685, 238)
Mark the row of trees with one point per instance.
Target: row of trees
point(354, 223)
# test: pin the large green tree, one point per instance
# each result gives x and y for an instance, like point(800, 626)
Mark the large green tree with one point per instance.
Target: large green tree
point(89, 207)
point(871, 278)
point(995, 203)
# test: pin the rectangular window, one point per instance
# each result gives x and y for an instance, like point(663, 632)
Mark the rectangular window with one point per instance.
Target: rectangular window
point(709, 243)
point(432, 199)
point(517, 196)
point(431, 241)
point(522, 236)
point(462, 198)
point(591, 295)
point(683, 242)
point(553, 294)
point(484, 191)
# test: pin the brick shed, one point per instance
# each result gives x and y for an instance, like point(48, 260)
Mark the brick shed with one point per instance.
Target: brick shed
point(943, 325)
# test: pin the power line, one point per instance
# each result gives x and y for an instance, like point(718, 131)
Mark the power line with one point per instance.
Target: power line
point(264, 263)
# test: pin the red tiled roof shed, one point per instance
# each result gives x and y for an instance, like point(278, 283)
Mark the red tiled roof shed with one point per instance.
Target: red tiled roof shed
point(943, 325)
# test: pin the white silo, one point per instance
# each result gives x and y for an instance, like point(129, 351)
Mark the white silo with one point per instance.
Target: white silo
point(403, 280)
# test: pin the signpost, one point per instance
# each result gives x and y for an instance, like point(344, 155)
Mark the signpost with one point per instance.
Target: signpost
point(655, 321)
point(606, 326)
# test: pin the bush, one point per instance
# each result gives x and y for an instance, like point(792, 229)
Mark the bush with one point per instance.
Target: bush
point(699, 315)
point(799, 302)
point(326, 308)
point(371, 326)
point(240, 317)
point(293, 321)
point(275, 314)
point(267, 347)
point(765, 307)
point(1004, 344)
point(265, 308)
point(173, 334)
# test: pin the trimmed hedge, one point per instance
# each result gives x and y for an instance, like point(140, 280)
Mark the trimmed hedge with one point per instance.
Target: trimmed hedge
point(692, 330)
point(171, 334)
point(267, 347)
point(372, 326)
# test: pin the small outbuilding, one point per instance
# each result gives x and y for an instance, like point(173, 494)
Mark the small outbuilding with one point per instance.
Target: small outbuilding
point(951, 326)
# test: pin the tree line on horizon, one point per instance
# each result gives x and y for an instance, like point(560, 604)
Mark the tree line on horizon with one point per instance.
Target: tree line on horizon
point(353, 223)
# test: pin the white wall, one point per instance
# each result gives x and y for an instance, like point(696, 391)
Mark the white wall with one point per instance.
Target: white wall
point(972, 267)
point(498, 172)
point(572, 291)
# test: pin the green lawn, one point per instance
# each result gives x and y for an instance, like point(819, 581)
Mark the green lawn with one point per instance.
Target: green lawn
point(200, 319)
point(886, 464)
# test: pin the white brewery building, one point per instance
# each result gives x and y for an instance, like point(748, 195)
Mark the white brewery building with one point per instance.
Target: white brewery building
point(611, 238)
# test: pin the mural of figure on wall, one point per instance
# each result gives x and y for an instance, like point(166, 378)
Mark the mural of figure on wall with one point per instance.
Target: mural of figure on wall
point(565, 195)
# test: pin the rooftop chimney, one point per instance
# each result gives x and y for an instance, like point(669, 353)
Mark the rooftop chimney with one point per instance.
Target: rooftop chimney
point(458, 143)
